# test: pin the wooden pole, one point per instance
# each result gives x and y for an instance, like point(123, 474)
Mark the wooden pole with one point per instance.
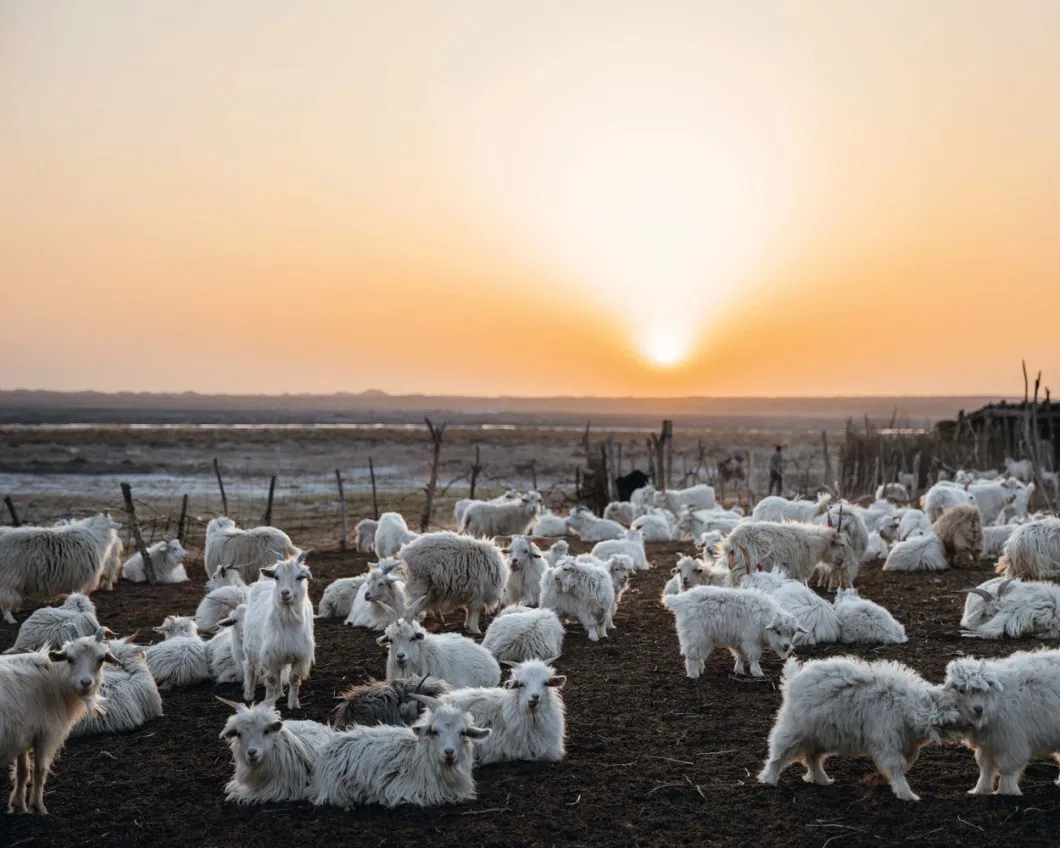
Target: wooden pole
point(183, 518)
point(149, 568)
point(267, 519)
point(828, 481)
point(221, 485)
point(533, 472)
point(618, 466)
point(476, 467)
point(375, 498)
point(436, 449)
point(345, 514)
point(577, 483)
point(11, 509)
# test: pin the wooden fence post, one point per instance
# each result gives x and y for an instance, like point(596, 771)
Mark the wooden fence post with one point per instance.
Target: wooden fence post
point(533, 472)
point(267, 518)
point(375, 498)
point(149, 568)
point(183, 518)
point(221, 485)
point(476, 468)
point(11, 509)
point(345, 514)
point(436, 449)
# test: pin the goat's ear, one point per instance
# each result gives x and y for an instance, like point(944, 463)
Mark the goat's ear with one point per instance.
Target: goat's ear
point(275, 726)
point(477, 732)
point(269, 571)
point(383, 640)
point(558, 680)
point(674, 570)
point(113, 660)
point(57, 656)
point(418, 636)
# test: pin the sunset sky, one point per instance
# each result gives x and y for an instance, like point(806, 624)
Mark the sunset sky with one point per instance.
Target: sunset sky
point(599, 198)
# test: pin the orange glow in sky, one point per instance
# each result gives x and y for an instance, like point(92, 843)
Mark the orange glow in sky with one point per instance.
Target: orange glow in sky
point(603, 198)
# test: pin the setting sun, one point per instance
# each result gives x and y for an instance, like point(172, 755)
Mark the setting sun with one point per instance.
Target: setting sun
point(663, 346)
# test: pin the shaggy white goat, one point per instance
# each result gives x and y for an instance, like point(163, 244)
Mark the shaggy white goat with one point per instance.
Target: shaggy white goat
point(526, 564)
point(816, 616)
point(893, 492)
point(592, 529)
point(797, 547)
point(744, 622)
point(694, 497)
point(1032, 552)
point(526, 716)
point(777, 509)
point(425, 765)
point(864, 622)
point(917, 553)
point(413, 652)
point(50, 627)
point(695, 523)
point(689, 573)
point(557, 552)
point(942, 496)
point(167, 560)
point(877, 549)
point(450, 571)
point(42, 696)
point(247, 550)
point(995, 538)
point(582, 591)
point(620, 569)
point(911, 520)
point(520, 633)
point(632, 546)
point(654, 527)
point(845, 706)
point(38, 563)
point(391, 534)
point(621, 511)
point(549, 525)
point(382, 592)
point(220, 602)
point(180, 660)
point(274, 759)
point(278, 631)
point(224, 652)
point(1011, 708)
point(364, 533)
point(129, 694)
point(1013, 609)
point(385, 702)
point(337, 600)
point(511, 518)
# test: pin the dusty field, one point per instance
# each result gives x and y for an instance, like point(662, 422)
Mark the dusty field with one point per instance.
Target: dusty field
point(653, 758)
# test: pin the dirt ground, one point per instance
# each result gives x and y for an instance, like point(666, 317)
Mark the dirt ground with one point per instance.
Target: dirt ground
point(653, 758)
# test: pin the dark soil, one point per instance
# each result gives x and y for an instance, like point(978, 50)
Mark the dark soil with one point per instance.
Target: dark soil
point(653, 758)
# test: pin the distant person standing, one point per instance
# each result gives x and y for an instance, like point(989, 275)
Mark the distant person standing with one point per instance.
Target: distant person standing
point(776, 471)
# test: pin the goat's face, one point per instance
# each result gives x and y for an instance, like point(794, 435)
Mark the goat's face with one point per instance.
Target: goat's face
point(692, 572)
point(522, 553)
point(449, 732)
point(533, 681)
point(292, 581)
point(780, 634)
point(621, 569)
point(174, 551)
point(405, 639)
point(84, 660)
point(252, 732)
point(974, 684)
point(78, 603)
point(177, 625)
point(381, 585)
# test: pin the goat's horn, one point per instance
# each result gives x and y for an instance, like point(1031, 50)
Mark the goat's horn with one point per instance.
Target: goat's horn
point(982, 593)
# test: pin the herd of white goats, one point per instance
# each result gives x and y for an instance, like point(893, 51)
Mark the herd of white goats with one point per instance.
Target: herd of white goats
point(414, 738)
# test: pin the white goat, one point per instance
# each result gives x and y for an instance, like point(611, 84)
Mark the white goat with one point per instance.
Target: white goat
point(248, 550)
point(167, 561)
point(557, 552)
point(849, 707)
point(942, 496)
point(1011, 708)
point(519, 633)
point(224, 652)
point(511, 518)
point(413, 652)
point(425, 765)
point(876, 550)
point(180, 660)
point(917, 553)
point(526, 564)
point(38, 563)
point(110, 570)
point(592, 529)
point(632, 546)
point(654, 527)
point(911, 520)
point(578, 590)
point(50, 627)
point(1013, 609)
point(364, 533)
point(450, 571)
point(219, 603)
point(797, 547)
point(864, 622)
point(744, 622)
point(694, 497)
point(526, 716)
point(777, 509)
point(549, 525)
point(385, 702)
point(278, 631)
point(621, 511)
point(995, 538)
point(391, 533)
point(274, 759)
point(129, 693)
point(689, 573)
point(337, 600)
point(42, 697)
point(1032, 552)
point(620, 569)
point(816, 616)
point(382, 592)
